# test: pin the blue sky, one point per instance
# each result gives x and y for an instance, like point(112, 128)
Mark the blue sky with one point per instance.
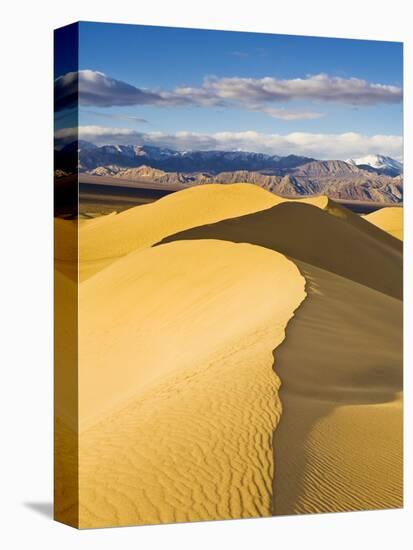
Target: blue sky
point(212, 84)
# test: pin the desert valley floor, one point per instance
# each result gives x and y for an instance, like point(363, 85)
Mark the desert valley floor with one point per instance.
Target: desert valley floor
point(240, 355)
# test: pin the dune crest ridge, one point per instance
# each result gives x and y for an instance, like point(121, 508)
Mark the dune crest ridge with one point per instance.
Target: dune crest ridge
point(193, 440)
point(389, 219)
point(336, 241)
point(339, 442)
point(185, 421)
point(105, 239)
point(339, 445)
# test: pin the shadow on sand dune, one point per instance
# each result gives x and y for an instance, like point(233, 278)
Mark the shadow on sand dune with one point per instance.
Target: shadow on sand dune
point(343, 348)
point(339, 241)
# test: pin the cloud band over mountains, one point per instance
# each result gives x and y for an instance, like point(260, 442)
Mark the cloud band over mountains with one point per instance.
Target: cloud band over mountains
point(268, 95)
point(322, 146)
point(95, 89)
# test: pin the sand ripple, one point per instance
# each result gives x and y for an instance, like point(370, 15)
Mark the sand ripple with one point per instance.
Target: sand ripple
point(178, 397)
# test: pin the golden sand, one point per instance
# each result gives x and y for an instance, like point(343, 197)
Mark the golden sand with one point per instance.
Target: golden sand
point(66, 486)
point(103, 240)
point(339, 444)
point(66, 247)
point(333, 239)
point(178, 397)
point(180, 414)
point(388, 219)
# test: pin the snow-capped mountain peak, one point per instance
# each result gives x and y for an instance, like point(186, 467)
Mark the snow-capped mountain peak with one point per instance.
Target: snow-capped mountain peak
point(215, 161)
point(382, 163)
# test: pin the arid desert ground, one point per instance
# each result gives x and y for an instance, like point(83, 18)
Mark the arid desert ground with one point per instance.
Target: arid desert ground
point(240, 355)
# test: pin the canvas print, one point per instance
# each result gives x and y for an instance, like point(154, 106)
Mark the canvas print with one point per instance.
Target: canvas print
point(228, 275)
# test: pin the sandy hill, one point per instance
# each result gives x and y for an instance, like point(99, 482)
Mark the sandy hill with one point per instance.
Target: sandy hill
point(181, 346)
point(65, 399)
point(336, 241)
point(65, 312)
point(65, 247)
point(388, 219)
point(104, 239)
point(338, 445)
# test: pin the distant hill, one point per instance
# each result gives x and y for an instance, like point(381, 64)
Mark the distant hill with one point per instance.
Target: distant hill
point(286, 176)
point(129, 156)
point(380, 164)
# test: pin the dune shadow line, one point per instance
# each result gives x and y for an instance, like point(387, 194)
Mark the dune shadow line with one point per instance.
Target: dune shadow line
point(307, 234)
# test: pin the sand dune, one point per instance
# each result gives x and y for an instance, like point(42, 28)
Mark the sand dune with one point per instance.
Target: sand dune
point(359, 222)
point(180, 414)
point(177, 362)
point(342, 243)
point(65, 247)
point(66, 487)
point(338, 445)
point(65, 350)
point(388, 219)
point(103, 240)
point(339, 442)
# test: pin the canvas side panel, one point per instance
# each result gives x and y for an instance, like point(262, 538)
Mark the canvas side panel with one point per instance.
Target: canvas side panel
point(66, 478)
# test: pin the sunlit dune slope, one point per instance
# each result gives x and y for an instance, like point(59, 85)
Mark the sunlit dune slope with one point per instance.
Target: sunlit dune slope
point(104, 239)
point(178, 397)
point(65, 349)
point(338, 445)
point(388, 219)
point(66, 247)
point(353, 249)
point(339, 442)
point(66, 487)
point(180, 413)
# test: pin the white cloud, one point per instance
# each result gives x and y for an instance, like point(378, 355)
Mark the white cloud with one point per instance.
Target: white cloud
point(322, 146)
point(93, 88)
point(286, 114)
point(96, 89)
point(321, 87)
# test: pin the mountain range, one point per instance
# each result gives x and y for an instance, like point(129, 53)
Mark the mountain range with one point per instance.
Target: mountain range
point(371, 178)
point(379, 163)
point(169, 160)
